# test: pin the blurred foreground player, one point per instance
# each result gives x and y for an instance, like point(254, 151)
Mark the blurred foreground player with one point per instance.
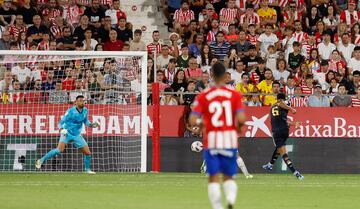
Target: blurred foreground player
point(70, 130)
point(280, 130)
point(220, 110)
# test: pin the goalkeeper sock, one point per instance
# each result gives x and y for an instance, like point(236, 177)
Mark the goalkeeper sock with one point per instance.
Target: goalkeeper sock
point(50, 154)
point(274, 156)
point(230, 190)
point(87, 160)
point(288, 162)
point(242, 166)
point(214, 193)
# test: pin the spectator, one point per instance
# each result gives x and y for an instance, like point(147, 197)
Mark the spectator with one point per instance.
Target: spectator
point(182, 17)
point(193, 71)
point(298, 100)
point(94, 89)
point(17, 28)
point(204, 83)
point(104, 30)
point(37, 30)
point(355, 34)
point(232, 36)
point(269, 100)
point(155, 44)
point(317, 99)
point(180, 82)
point(244, 86)
point(336, 61)
point(95, 13)
point(22, 73)
point(292, 13)
point(299, 34)
point(79, 32)
point(36, 96)
point(7, 14)
point(22, 42)
point(314, 61)
point(205, 57)
point(249, 17)
point(195, 48)
point(78, 91)
point(266, 39)
point(354, 63)
point(267, 15)
point(170, 71)
point(309, 45)
point(289, 87)
point(191, 31)
point(189, 96)
point(333, 88)
point(295, 57)
point(308, 86)
point(342, 99)
point(326, 47)
point(160, 78)
point(312, 18)
point(211, 35)
point(251, 61)
point(168, 98)
point(271, 57)
point(89, 43)
point(265, 86)
point(115, 13)
point(50, 83)
point(44, 44)
point(68, 83)
point(137, 44)
point(220, 47)
point(16, 96)
point(231, 58)
point(258, 74)
point(6, 83)
point(183, 60)
point(252, 36)
point(175, 44)
point(66, 42)
point(355, 100)
point(150, 70)
point(281, 74)
point(113, 44)
point(243, 45)
point(320, 77)
point(58, 96)
point(346, 48)
point(124, 34)
point(350, 16)
point(236, 75)
point(355, 82)
point(5, 40)
point(228, 15)
point(28, 11)
point(332, 19)
point(164, 58)
point(207, 16)
point(57, 27)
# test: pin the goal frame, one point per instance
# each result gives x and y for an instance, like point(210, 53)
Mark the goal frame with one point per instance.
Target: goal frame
point(144, 94)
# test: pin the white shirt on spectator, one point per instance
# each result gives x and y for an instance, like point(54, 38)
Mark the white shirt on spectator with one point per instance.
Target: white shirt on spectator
point(162, 61)
point(236, 76)
point(326, 50)
point(354, 64)
point(321, 78)
point(21, 74)
point(346, 51)
point(266, 41)
point(288, 42)
point(93, 44)
point(278, 75)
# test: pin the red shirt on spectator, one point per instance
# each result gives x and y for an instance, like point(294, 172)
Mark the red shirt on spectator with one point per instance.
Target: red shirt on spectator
point(152, 46)
point(15, 32)
point(195, 73)
point(307, 90)
point(181, 16)
point(68, 84)
point(113, 46)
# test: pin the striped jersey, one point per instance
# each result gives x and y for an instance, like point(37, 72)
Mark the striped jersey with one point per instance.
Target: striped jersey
point(298, 101)
point(183, 16)
point(228, 14)
point(218, 107)
point(355, 101)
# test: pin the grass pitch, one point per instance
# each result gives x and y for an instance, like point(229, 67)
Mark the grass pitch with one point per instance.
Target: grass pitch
point(173, 191)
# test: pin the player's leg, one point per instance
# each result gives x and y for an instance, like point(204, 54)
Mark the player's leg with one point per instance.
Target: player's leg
point(229, 169)
point(277, 142)
point(81, 144)
point(240, 162)
point(288, 162)
point(213, 170)
point(52, 153)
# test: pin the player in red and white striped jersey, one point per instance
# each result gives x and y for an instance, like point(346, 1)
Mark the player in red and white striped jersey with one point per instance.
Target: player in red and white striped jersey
point(155, 44)
point(221, 112)
point(228, 15)
point(182, 17)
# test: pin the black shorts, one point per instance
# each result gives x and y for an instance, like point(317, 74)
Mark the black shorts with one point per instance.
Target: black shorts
point(280, 138)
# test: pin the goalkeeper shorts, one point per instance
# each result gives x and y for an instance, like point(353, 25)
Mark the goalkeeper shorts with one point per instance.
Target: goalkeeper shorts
point(78, 141)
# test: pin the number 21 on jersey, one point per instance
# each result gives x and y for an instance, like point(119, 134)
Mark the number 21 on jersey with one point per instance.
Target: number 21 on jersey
point(218, 109)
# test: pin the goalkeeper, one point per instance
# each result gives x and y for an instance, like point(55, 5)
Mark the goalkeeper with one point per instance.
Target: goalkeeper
point(70, 130)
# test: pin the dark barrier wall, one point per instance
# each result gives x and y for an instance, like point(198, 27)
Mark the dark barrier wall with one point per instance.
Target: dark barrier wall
point(309, 155)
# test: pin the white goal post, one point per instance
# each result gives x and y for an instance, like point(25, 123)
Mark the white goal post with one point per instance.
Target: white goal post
point(28, 128)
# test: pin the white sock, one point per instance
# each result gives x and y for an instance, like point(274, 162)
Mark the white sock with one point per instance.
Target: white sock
point(242, 166)
point(214, 193)
point(230, 189)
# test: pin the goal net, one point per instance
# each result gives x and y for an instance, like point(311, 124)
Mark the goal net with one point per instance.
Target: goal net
point(37, 87)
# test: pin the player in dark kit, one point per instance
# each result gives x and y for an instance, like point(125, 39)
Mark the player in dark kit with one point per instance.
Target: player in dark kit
point(280, 130)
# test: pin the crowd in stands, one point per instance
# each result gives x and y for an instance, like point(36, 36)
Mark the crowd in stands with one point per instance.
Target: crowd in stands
point(307, 49)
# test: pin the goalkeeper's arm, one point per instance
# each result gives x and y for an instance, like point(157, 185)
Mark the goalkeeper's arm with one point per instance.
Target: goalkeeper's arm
point(88, 123)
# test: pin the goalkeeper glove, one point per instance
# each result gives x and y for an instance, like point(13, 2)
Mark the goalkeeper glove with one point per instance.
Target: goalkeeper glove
point(63, 131)
point(94, 125)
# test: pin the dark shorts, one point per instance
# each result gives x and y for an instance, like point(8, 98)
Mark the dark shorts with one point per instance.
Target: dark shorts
point(280, 138)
